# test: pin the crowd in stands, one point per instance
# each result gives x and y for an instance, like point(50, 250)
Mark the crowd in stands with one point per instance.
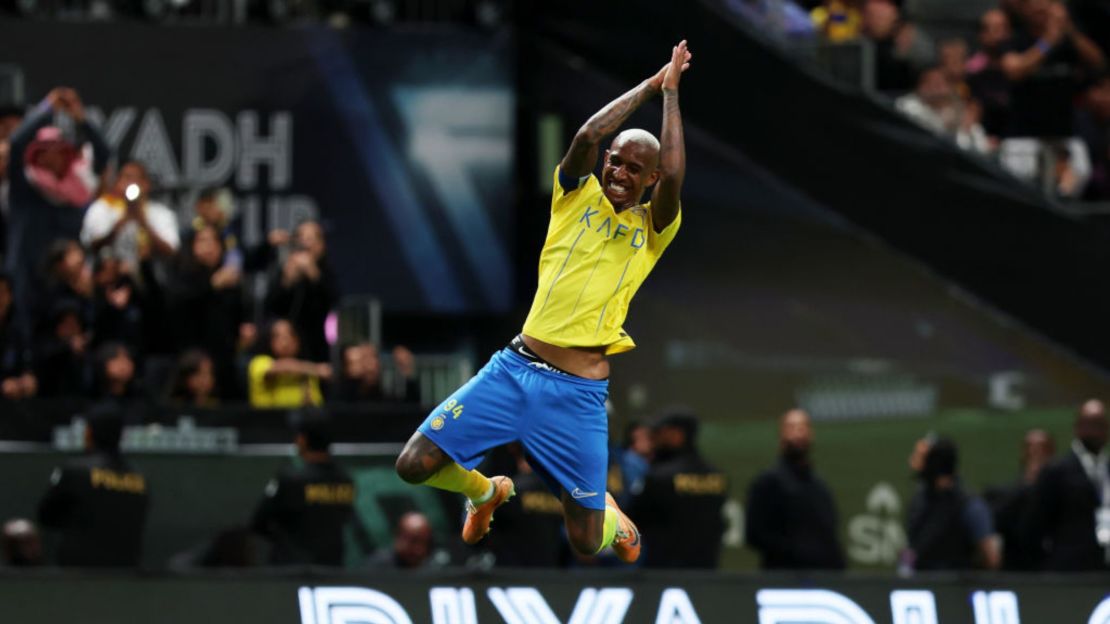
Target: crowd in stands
point(1028, 85)
point(108, 293)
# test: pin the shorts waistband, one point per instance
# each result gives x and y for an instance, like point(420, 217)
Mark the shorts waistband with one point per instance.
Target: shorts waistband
point(520, 350)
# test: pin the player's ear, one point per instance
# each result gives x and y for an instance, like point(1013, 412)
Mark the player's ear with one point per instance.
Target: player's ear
point(652, 179)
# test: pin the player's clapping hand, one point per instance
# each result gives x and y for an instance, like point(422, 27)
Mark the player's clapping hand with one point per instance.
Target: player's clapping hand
point(680, 62)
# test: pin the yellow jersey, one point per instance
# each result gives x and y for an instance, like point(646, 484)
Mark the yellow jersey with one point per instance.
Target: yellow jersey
point(593, 262)
point(282, 390)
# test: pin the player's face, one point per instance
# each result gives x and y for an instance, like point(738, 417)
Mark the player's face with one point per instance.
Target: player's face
point(629, 168)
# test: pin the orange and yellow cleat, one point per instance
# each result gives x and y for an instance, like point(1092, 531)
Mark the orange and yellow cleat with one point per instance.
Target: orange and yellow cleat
point(627, 542)
point(479, 517)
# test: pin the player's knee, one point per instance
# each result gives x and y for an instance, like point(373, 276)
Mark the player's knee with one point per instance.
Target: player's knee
point(410, 468)
point(584, 541)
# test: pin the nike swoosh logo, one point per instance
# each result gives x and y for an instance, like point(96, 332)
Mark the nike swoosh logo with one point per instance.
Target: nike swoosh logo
point(525, 353)
point(577, 493)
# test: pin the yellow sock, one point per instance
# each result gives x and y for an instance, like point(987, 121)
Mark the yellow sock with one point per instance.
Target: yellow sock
point(609, 530)
point(454, 478)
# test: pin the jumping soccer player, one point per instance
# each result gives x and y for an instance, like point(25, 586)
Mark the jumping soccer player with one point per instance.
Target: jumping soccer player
point(548, 388)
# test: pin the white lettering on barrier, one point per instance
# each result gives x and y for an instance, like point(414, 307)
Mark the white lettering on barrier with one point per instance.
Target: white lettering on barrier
point(1101, 614)
point(453, 606)
point(349, 605)
point(526, 605)
point(913, 607)
point(996, 607)
point(675, 608)
point(814, 606)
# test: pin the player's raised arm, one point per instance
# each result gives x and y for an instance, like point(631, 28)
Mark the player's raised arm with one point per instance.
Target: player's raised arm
point(582, 154)
point(672, 145)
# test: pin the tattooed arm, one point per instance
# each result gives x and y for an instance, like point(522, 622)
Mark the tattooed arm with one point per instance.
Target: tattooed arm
point(672, 147)
point(582, 155)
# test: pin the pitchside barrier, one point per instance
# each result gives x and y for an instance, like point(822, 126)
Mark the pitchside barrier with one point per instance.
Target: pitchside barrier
point(528, 597)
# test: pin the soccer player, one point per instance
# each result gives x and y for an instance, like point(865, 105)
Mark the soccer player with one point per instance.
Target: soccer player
point(548, 388)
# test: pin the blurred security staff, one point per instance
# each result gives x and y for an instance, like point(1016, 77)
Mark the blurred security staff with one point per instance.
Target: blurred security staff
point(98, 502)
point(680, 502)
point(307, 507)
point(1010, 503)
point(1070, 514)
point(947, 528)
point(791, 515)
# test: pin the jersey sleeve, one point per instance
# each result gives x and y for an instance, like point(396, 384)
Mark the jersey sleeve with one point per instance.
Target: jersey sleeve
point(659, 241)
point(563, 197)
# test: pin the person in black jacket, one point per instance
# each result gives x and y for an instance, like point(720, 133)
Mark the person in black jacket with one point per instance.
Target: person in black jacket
point(1068, 494)
point(947, 528)
point(679, 503)
point(305, 290)
point(1010, 504)
point(791, 514)
point(308, 507)
point(98, 502)
point(207, 301)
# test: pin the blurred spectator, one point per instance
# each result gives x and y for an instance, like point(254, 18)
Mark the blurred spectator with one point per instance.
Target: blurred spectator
point(97, 502)
point(947, 528)
point(412, 545)
point(1093, 126)
point(1010, 504)
point(308, 507)
point(22, 544)
point(784, 18)
point(215, 208)
point(952, 55)
point(68, 278)
point(791, 514)
point(134, 227)
point(362, 375)
point(901, 49)
point(118, 311)
point(114, 374)
point(989, 84)
point(635, 456)
point(61, 353)
point(529, 525)
point(1061, 167)
point(681, 500)
point(936, 106)
point(837, 20)
point(10, 118)
point(304, 290)
point(17, 379)
point(206, 298)
point(1045, 66)
point(194, 382)
point(51, 181)
point(1069, 516)
point(279, 379)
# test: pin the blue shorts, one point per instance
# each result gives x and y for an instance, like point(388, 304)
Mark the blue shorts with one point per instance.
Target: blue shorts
point(560, 419)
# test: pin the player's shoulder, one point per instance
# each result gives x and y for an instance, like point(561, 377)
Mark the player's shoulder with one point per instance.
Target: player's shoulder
point(571, 186)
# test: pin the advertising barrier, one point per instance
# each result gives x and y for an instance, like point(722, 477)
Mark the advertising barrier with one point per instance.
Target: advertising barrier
point(520, 597)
